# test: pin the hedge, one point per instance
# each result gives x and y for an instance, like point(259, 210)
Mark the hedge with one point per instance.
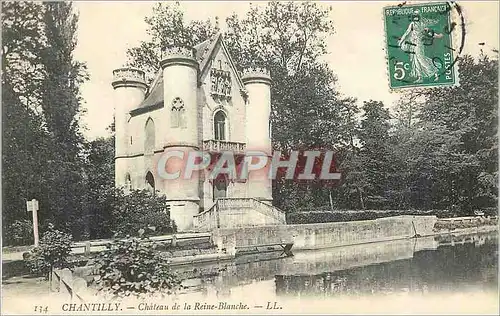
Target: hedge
point(321, 215)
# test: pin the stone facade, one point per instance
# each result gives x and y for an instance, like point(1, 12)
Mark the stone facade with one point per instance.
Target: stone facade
point(198, 101)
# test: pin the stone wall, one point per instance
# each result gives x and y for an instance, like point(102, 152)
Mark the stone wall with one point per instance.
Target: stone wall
point(324, 235)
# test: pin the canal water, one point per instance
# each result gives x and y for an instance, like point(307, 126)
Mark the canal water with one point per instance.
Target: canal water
point(442, 273)
point(432, 275)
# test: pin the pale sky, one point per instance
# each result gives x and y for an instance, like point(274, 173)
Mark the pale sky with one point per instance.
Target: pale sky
point(356, 55)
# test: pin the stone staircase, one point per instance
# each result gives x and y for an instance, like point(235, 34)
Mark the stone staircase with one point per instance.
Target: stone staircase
point(238, 212)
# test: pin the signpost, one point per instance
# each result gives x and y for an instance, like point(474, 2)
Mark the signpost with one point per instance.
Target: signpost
point(32, 206)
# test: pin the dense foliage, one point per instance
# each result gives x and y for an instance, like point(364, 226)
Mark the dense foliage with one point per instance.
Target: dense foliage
point(139, 209)
point(41, 107)
point(167, 27)
point(132, 267)
point(435, 150)
point(52, 252)
point(20, 233)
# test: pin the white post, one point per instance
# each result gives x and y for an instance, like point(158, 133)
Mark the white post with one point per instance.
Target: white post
point(32, 206)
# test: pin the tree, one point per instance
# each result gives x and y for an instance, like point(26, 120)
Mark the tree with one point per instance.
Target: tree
point(404, 152)
point(41, 107)
point(22, 33)
point(24, 135)
point(372, 165)
point(348, 194)
point(284, 36)
point(469, 114)
point(99, 175)
point(61, 100)
point(289, 39)
point(167, 27)
point(444, 143)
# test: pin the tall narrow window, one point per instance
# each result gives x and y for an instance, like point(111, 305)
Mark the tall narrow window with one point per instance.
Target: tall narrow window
point(149, 140)
point(150, 182)
point(128, 182)
point(178, 114)
point(220, 125)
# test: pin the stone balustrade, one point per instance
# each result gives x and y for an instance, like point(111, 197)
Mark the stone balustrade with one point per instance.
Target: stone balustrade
point(213, 145)
point(207, 219)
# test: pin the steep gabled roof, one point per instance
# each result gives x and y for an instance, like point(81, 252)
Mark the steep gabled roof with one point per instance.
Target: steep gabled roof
point(154, 99)
point(202, 48)
point(205, 51)
point(210, 51)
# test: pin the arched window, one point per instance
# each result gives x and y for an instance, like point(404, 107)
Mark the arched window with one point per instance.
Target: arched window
point(150, 182)
point(220, 188)
point(149, 140)
point(178, 114)
point(220, 125)
point(128, 182)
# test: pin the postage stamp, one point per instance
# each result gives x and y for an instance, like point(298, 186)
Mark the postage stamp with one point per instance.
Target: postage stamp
point(420, 51)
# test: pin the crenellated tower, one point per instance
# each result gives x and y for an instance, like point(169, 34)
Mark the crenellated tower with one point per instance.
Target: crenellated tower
point(130, 87)
point(257, 82)
point(180, 87)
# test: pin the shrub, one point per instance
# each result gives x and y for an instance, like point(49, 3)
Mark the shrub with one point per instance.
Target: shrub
point(52, 252)
point(139, 209)
point(325, 216)
point(490, 211)
point(19, 233)
point(132, 267)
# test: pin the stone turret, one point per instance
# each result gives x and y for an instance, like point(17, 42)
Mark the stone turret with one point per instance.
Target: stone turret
point(180, 88)
point(258, 82)
point(130, 88)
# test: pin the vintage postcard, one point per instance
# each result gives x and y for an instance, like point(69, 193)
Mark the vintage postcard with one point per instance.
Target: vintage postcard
point(235, 157)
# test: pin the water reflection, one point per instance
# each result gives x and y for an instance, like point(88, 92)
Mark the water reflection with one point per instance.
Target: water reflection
point(436, 264)
point(449, 268)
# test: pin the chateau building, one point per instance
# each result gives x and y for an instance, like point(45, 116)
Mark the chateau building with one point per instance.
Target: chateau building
point(197, 101)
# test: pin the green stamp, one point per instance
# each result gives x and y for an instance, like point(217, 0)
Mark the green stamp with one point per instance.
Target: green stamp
point(419, 47)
